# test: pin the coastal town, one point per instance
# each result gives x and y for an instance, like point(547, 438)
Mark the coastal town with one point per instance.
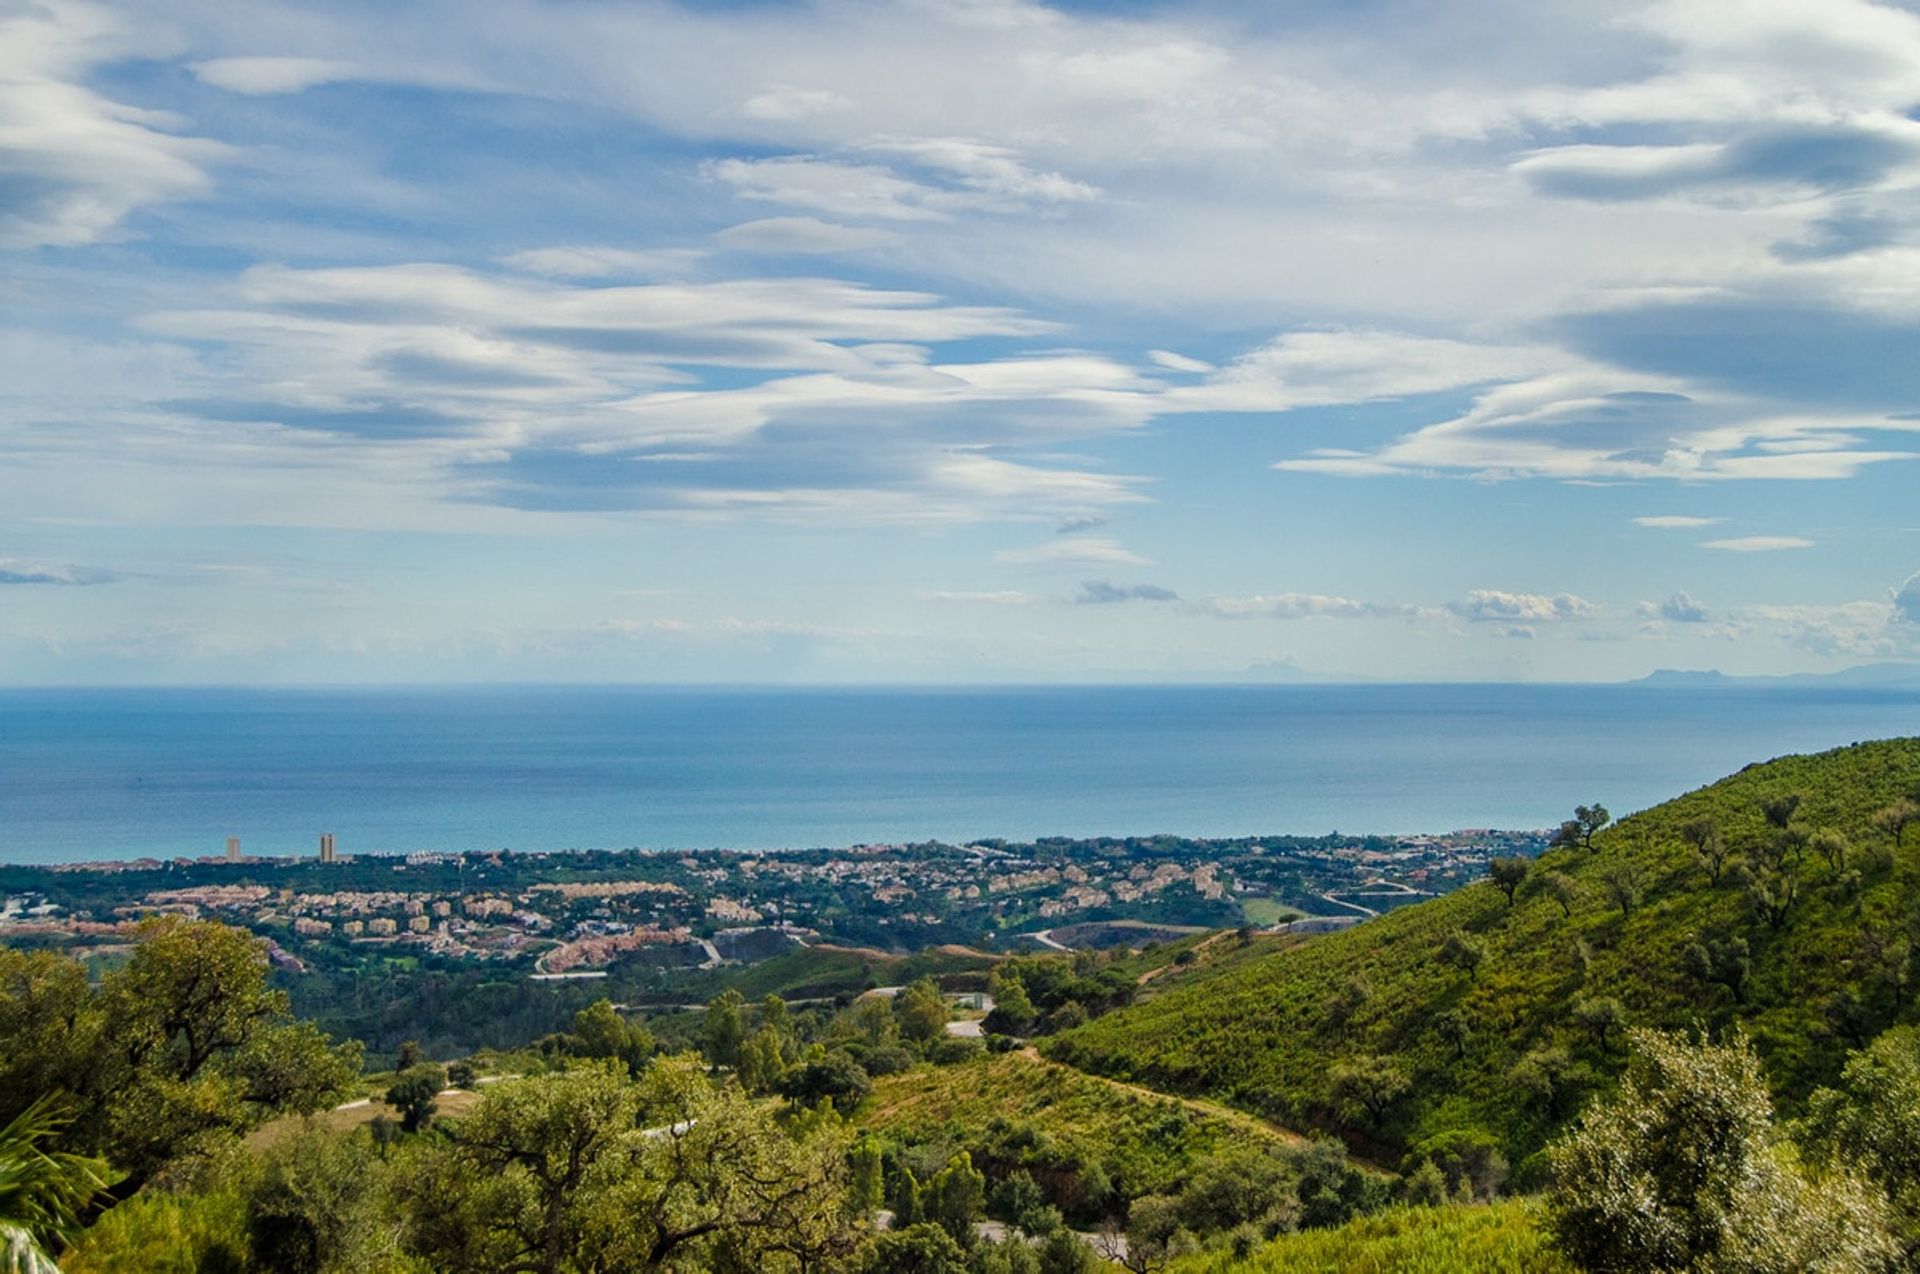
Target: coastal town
point(569, 914)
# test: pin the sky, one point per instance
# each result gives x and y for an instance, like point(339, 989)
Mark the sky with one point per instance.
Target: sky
point(956, 340)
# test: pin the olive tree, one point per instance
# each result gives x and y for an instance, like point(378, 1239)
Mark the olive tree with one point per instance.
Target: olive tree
point(586, 1170)
point(1508, 874)
point(1684, 1169)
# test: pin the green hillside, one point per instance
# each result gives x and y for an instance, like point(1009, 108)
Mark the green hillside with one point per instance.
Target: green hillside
point(1499, 1238)
point(1375, 1033)
point(1015, 1111)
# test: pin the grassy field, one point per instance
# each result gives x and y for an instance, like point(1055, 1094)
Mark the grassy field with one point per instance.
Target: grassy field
point(1269, 1027)
point(1501, 1238)
point(1268, 911)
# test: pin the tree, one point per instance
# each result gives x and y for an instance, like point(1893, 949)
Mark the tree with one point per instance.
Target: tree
point(1624, 882)
point(463, 1074)
point(762, 1066)
point(1452, 1026)
point(1726, 963)
point(916, 1249)
point(872, 1018)
point(413, 1094)
point(1771, 894)
point(1831, 846)
point(1779, 810)
point(1709, 846)
point(1508, 874)
point(1564, 890)
point(955, 1198)
point(1600, 1017)
point(833, 1077)
point(774, 1015)
point(723, 1030)
point(1872, 1120)
point(866, 1177)
point(1577, 832)
point(1896, 818)
point(1062, 1252)
point(1366, 1087)
point(1352, 996)
point(183, 1047)
point(1684, 1170)
point(1464, 952)
point(1013, 1012)
point(600, 1031)
point(409, 1056)
point(922, 1011)
point(1547, 1076)
point(588, 1170)
point(1425, 1186)
point(311, 1209)
point(1070, 1014)
point(1021, 1203)
point(43, 1192)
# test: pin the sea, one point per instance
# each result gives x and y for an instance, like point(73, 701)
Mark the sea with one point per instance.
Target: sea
point(116, 774)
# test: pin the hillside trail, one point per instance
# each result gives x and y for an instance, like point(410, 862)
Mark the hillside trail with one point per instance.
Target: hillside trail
point(1198, 1105)
point(1197, 948)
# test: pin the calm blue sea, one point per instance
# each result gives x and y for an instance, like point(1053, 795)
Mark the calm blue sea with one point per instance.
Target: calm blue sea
point(126, 773)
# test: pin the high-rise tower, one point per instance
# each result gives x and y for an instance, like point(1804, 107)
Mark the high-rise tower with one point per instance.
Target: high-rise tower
point(233, 849)
point(326, 847)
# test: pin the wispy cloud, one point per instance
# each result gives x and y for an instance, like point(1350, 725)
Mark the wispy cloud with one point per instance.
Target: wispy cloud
point(1102, 593)
point(15, 571)
point(1675, 522)
point(1074, 550)
point(1758, 544)
point(1302, 606)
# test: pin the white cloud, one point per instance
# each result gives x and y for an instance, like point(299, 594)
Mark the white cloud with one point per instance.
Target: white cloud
point(860, 192)
point(499, 389)
point(781, 235)
point(999, 597)
point(1494, 606)
point(1075, 550)
point(261, 76)
point(1759, 544)
point(1675, 522)
point(1851, 629)
point(14, 571)
point(1906, 601)
point(996, 172)
point(1319, 367)
point(1593, 422)
point(590, 262)
point(76, 162)
point(1179, 362)
point(1302, 606)
point(788, 103)
point(1680, 608)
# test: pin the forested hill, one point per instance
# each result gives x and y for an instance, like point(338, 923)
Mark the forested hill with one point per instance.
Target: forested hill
point(1780, 898)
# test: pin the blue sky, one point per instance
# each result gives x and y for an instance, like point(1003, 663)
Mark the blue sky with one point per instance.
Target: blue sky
point(956, 340)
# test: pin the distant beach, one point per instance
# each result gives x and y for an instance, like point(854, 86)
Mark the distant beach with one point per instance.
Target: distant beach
point(88, 774)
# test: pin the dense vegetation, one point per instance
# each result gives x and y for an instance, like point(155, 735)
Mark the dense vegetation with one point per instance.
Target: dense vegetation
point(1091, 1146)
point(1500, 1238)
point(1781, 899)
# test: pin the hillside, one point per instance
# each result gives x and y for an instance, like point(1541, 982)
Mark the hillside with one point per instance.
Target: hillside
point(1375, 1034)
point(1016, 1111)
point(1501, 1238)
